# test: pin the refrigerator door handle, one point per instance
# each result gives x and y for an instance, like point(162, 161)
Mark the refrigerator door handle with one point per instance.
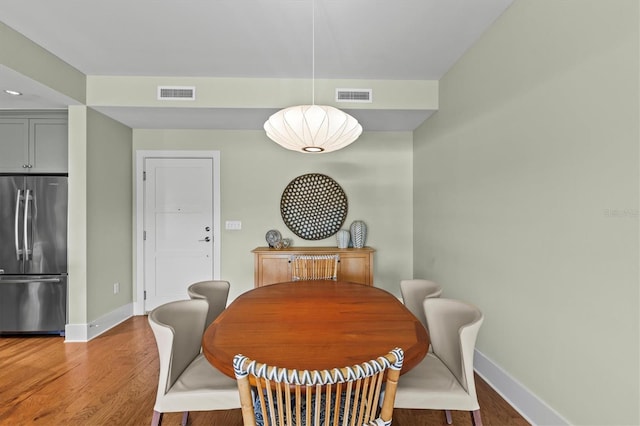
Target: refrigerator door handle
point(27, 198)
point(30, 280)
point(17, 222)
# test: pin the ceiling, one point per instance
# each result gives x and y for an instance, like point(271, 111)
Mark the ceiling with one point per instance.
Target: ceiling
point(352, 39)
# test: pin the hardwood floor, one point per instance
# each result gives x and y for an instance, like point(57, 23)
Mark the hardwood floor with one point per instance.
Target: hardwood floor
point(112, 380)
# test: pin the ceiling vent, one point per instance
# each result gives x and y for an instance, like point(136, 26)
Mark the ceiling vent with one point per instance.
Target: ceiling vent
point(354, 95)
point(180, 93)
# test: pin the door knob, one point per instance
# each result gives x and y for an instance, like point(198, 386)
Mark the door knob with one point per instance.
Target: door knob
point(206, 228)
point(207, 239)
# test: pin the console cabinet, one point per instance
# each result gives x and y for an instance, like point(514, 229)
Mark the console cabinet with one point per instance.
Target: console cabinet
point(34, 143)
point(273, 266)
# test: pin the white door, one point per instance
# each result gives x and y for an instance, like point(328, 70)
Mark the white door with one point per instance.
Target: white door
point(178, 227)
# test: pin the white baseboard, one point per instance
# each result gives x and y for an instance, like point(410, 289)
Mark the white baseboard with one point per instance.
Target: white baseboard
point(76, 333)
point(86, 332)
point(532, 408)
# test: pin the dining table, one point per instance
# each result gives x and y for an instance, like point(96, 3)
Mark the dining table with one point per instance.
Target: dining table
point(314, 325)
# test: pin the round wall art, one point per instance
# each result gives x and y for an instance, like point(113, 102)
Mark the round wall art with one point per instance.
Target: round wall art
point(313, 206)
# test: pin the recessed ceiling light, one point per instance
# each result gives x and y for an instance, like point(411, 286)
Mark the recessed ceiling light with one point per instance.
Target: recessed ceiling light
point(12, 92)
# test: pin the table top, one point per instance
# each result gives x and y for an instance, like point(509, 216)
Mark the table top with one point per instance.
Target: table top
point(314, 325)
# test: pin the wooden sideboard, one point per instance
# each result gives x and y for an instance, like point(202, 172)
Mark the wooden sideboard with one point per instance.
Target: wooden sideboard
point(273, 266)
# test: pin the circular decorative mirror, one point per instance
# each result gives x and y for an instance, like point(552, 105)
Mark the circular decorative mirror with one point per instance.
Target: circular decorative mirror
point(313, 206)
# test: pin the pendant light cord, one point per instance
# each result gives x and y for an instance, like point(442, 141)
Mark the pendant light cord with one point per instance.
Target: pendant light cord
point(313, 52)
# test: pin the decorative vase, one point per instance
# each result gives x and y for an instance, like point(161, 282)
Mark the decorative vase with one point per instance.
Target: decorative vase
point(343, 237)
point(358, 233)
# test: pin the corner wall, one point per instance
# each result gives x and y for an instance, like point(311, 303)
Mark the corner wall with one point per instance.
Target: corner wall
point(109, 222)
point(100, 223)
point(526, 191)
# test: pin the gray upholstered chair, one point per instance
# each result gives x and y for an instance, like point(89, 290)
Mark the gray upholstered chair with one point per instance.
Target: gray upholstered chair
point(444, 380)
point(413, 294)
point(315, 397)
point(314, 267)
point(187, 382)
point(215, 292)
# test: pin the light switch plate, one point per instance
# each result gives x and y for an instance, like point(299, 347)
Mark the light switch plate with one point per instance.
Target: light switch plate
point(233, 225)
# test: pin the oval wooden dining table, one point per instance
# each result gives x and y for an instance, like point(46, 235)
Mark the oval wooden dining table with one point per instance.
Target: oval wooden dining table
point(314, 325)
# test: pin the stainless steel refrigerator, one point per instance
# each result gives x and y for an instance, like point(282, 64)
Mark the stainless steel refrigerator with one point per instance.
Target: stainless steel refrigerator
point(33, 254)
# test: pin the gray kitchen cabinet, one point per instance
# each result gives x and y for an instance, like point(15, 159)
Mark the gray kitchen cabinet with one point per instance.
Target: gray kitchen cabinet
point(34, 144)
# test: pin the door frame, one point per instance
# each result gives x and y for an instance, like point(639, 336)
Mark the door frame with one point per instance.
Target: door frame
point(141, 156)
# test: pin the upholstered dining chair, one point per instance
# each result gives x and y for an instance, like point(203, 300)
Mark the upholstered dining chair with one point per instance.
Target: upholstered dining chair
point(302, 397)
point(444, 379)
point(215, 292)
point(187, 382)
point(413, 294)
point(314, 267)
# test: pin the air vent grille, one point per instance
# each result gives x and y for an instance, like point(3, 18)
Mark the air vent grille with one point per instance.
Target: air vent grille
point(184, 93)
point(354, 95)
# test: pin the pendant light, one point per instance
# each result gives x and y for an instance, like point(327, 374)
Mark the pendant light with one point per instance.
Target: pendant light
point(312, 128)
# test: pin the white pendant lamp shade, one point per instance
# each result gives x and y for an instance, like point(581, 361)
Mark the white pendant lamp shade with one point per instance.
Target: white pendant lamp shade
point(312, 128)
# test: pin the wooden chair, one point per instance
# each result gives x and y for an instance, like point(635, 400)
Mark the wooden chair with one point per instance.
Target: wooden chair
point(444, 378)
point(186, 381)
point(318, 397)
point(314, 267)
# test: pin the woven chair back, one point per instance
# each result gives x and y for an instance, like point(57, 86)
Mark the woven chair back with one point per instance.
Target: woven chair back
point(348, 395)
point(315, 267)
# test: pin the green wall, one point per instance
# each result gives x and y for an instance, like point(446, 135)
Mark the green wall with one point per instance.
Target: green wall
point(100, 218)
point(109, 219)
point(526, 200)
point(375, 173)
point(77, 225)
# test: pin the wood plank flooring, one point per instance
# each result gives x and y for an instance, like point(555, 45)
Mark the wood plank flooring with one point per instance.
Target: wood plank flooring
point(112, 380)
